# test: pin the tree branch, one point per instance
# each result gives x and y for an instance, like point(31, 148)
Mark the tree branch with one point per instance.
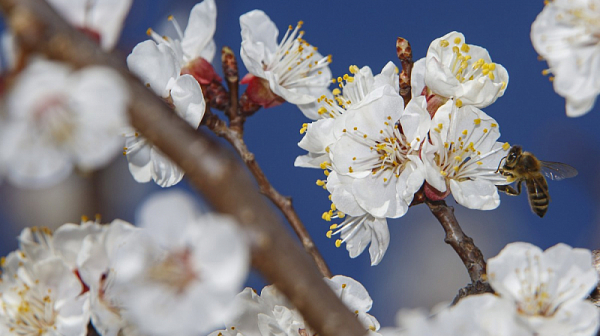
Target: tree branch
point(464, 246)
point(404, 52)
point(283, 203)
point(217, 174)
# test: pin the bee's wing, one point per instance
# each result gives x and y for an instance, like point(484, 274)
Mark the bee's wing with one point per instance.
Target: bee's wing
point(557, 170)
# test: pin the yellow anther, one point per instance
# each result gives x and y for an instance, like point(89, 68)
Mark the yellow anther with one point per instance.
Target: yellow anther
point(459, 103)
point(505, 146)
point(457, 40)
point(84, 218)
point(385, 179)
point(479, 163)
point(339, 79)
point(356, 128)
point(455, 168)
point(443, 173)
point(465, 132)
point(338, 243)
point(365, 136)
point(551, 78)
point(329, 59)
point(465, 48)
point(2, 261)
point(485, 71)
point(486, 66)
point(341, 214)
point(333, 226)
point(320, 183)
point(353, 69)
point(396, 70)
point(485, 130)
point(455, 50)
point(503, 86)
point(333, 207)
point(491, 76)
point(326, 172)
point(322, 110)
point(333, 81)
point(324, 165)
point(350, 170)
point(345, 77)
point(492, 66)
point(477, 121)
point(444, 43)
point(494, 125)
point(170, 18)
point(457, 158)
point(300, 23)
point(329, 233)
point(350, 80)
point(336, 91)
point(149, 31)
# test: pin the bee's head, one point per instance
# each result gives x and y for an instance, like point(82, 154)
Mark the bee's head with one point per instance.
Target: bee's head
point(513, 155)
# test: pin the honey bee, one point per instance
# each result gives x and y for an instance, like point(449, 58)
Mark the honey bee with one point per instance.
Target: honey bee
point(522, 166)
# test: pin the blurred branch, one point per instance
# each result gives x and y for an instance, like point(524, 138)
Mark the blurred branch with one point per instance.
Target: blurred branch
point(216, 173)
point(283, 203)
point(464, 246)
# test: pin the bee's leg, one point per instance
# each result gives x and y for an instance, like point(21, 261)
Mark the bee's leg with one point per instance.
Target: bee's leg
point(510, 190)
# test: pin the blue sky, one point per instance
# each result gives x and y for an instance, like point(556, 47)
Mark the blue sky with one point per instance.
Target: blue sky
point(419, 269)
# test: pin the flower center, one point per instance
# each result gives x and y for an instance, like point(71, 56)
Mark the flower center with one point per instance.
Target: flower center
point(461, 160)
point(55, 119)
point(389, 151)
point(34, 315)
point(463, 67)
point(294, 61)
point(175, 271)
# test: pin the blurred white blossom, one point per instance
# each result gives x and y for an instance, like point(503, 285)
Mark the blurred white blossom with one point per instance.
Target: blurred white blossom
point(182, 276)
point(58, 119)
point(547, 289)
point(99, 19)
point(566, 34)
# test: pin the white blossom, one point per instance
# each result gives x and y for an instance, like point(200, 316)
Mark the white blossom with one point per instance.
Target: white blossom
point(475, 315)
point(270, 313)
point(369, 148)
point(352, 90)
point(40, 294)
point(195, 47)
point(159, 68)
point(455, 69)
point(462, 157)
point(182, 276)
point(95, 260)
point(566, 35)
point(58, 119)
point(547, 288)
point(101, 19)
point(290, 71)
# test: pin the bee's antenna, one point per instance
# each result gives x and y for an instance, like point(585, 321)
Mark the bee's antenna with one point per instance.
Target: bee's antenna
point(499, 164)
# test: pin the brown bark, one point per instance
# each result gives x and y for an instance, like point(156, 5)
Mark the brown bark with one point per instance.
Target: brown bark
point(223, 181)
